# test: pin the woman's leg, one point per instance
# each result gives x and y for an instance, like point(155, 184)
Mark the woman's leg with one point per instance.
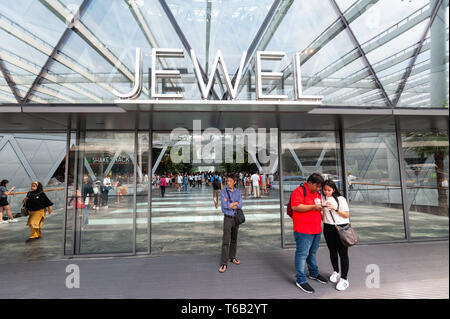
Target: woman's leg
point(8, 212)
point(343, 255)
point(330, 235)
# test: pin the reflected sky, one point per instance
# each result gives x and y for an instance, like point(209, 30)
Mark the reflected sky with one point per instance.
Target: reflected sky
point(30, 29)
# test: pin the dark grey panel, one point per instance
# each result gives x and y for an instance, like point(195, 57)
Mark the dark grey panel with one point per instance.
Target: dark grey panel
point(298, 121)
point(375, 123)
point(426, 123)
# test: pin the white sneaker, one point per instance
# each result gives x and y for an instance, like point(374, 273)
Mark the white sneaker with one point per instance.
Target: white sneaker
point(4, 222)
point(342, 285)
point(335, 277)
point(12, 221)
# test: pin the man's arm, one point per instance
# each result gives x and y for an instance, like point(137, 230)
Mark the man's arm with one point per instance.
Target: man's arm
point(305, 208)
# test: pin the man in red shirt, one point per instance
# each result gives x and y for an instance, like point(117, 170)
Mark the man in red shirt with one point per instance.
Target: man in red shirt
point(307, 218)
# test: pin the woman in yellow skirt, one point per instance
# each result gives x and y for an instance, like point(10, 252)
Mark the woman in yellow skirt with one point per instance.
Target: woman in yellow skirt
point(36, 204)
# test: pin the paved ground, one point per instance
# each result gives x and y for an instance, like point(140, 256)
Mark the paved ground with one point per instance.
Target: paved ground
point(415, 270)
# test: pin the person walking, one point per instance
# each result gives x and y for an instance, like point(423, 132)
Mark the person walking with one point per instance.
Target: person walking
point(231, 199)
point(217, 187)
point(255, 182)
point(248, 185)
point(307, 219)
point(335, 213)
point(4, 205)
point(162, 185)
point(37, 203)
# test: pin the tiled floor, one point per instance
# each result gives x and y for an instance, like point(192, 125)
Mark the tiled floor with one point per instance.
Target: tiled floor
point(412, 270)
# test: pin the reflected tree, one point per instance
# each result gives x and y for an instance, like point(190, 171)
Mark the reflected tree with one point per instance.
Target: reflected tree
point(432, 144)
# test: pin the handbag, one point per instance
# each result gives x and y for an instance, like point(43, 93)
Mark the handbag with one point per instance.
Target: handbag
point(24, 210)
point(347, 234)
point(239, 216)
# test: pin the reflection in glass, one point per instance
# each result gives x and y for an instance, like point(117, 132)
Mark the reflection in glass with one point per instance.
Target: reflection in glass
point(426, 167)
point(103, 197)
point(185, 219)
point(374, 186)
point(304, 153)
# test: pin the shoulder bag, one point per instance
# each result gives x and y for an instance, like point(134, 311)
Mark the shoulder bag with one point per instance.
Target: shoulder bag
point(347, 234)
point(239, 217)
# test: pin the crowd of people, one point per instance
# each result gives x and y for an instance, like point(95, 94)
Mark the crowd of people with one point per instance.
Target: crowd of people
point(254, 184)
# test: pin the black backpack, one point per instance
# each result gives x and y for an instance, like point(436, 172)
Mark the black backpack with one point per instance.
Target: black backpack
point(289, 209)
point(216, 183)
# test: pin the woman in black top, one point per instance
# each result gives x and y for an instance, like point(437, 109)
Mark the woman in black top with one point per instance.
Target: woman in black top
point(37, 203)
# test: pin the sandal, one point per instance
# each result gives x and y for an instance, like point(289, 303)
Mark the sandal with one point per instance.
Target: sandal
point(223, 267)
point(235, 261)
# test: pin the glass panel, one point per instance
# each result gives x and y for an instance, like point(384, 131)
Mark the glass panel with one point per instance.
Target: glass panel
point(426, 166)
point(22, 163)
point(184, 216)
point(304, 153)
point(374, 186)
point(104, 198)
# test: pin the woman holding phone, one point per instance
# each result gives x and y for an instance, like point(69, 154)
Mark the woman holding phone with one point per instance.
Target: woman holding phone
point(335, 212)
point(4, 205)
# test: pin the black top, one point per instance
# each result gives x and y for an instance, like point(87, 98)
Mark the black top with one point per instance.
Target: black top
point(37, 200)
point(87, 190)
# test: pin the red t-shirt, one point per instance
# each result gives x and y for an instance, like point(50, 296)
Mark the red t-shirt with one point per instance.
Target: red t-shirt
point(309, 222)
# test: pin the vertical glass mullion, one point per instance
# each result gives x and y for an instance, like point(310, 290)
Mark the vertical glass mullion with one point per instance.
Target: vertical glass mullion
point(280, 178)
point(401, 166)
point(66, 189)
point(135, 152)
point(150, 185)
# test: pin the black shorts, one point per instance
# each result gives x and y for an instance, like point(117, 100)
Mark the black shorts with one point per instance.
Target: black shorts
point(3, 202)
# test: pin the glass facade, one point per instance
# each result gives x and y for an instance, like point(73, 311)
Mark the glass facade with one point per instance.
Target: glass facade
point(84, 52)
point(380, 131)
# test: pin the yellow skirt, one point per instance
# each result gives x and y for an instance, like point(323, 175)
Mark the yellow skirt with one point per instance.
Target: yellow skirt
point(35, 222)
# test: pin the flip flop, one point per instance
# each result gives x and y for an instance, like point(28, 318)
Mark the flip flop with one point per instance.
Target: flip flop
point(222, 267)
point(235, 261)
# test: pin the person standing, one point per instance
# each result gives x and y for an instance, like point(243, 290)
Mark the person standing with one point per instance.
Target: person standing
point(307, 219)
point(37, 203)
point(105, 192)
point(185, 182)
point(335, 213)
point(231, 199)
point(255, 182)
point(87, 192)
point(4, 205)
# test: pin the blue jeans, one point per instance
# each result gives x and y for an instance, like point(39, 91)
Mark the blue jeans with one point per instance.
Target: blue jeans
point(85, 216)
point(307, 246)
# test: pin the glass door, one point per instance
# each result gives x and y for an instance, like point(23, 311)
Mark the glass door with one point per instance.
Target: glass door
point(101, 195)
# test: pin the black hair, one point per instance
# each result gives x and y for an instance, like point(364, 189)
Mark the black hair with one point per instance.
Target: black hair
point(315, 179)
point(336, 192)
point(4, 182)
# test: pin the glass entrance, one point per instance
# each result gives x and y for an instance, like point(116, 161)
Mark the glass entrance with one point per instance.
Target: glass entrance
point(101, 193)
point(185, 217)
